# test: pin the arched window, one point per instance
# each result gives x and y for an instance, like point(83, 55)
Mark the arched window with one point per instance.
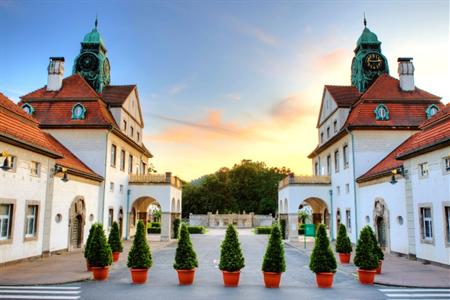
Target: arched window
point(78, 112)
point(28, 108)
point(431, 110)
point(381, 113)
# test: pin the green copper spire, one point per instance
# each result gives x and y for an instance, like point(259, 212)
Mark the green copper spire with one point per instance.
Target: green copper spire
point(92, 62)
point(368, 62)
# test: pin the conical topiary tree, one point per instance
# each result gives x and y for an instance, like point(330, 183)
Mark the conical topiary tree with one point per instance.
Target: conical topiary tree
point(274, 260)
point(365, 257)
point(231, 257)
point(377, 249)
point(322, 258)
point(114, 238)
point(99, 254)
point(88, 245)
point(343, 244)
point(185, 257)
point(283, 228)
point(140, 256)
point(176, 228)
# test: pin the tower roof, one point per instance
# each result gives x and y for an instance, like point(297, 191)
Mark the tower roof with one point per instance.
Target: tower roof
point(94, 36)
point(367, 37)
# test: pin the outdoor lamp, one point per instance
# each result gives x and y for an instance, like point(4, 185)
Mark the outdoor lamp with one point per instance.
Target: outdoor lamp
point(59, 169)
point(400, 170)
point(5, 166)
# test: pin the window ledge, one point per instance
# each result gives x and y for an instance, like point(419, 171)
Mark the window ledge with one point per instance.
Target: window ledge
point(5, 242)
point(30, 239)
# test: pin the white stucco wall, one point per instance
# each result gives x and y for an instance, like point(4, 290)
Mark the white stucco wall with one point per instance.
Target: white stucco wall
point(64, 194)
point(20, 187)
point(433, 191)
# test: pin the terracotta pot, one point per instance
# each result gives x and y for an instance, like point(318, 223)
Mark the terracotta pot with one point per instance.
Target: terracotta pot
point(88, 266)
point(344, 258)
point(100, 273)
point(272, 279)
point(115, 256)
point(324, 279)
point(139, 276)
point(231, 279)
point(186, 277)
point(380, 263)
point(366, 276)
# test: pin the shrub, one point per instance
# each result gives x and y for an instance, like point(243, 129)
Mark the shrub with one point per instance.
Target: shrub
point(378, 252)
point(176, 228)
point(231, 258)
point(87, 248)
point(155, 230)
point(140, 256)
point(114, 238)
point(99, 254)
point(196, 229)
point(274, 258)
point(283, 228)
point(343, 244)
point(185, 257)
point(322, 258)
point(263, 230)
point(154, 225)
point(365, 257)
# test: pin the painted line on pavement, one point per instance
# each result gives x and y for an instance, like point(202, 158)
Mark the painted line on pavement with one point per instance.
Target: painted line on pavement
point(417, 295)
point(39, 297)
point(414, 290)
point(40, 287)
point(39, 292)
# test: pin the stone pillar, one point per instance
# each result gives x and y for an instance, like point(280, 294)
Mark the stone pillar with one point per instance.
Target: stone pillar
point(166, 226)
point(292, 226)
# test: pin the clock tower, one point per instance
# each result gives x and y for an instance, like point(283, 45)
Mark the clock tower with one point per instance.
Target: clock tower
point(92, 62)
point(368, 62)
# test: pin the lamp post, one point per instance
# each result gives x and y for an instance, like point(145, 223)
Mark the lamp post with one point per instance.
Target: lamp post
point(59, 169)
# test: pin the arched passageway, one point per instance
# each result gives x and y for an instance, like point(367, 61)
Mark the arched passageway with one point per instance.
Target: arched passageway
point(381, 223)
point(77, 217)
point(320, 212)
point(140, 211)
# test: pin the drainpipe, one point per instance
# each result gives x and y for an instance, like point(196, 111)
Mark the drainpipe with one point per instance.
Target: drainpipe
point(331, 215)
point(102, 217)
point(354, 181)
point(128, 213)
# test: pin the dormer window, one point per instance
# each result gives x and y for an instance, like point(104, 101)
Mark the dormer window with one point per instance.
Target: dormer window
point(78, 112)
point(431, 110)
point(28, 109)
point(381, 113)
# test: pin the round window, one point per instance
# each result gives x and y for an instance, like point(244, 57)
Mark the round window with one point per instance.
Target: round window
point(58, 218)
point(400, 220)
point(91, 217)
point(367, 219)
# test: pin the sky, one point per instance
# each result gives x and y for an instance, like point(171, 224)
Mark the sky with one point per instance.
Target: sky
point(222, 81)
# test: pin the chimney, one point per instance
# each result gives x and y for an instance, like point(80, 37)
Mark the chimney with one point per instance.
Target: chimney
point(406, 74)
point(55, 74)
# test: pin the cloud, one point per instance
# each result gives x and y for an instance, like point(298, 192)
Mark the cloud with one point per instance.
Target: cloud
point(253, 31)
point(177, 88)
point(292, 108)
point(233, 96)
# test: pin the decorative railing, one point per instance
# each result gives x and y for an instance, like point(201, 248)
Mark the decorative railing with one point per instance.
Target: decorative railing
point(155, 179)
point(304, 179)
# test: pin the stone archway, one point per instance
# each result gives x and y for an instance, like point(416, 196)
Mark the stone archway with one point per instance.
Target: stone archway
point(319, 210)
point(381, 223)
point(77, 218)
point(139, 212)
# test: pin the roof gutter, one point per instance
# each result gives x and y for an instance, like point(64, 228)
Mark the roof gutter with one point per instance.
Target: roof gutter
point(23, 144)
point(354, 181)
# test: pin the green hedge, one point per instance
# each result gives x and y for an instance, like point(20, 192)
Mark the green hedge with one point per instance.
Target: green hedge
point(263, 229)
point(301, 229)
point(196, 229)
point(153, 225)
point(154, 230)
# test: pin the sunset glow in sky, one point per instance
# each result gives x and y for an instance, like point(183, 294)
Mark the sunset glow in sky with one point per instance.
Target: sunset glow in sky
point(224, 81)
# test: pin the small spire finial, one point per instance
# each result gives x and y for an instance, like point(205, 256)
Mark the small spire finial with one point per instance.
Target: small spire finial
point(365, 21)
point(96, 21)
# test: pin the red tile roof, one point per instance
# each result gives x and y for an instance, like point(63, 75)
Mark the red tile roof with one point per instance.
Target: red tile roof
point(20, 129)
point(73, 88)
point(388, 88)
point(435, 133)
point(115, 95)
point(344, 96)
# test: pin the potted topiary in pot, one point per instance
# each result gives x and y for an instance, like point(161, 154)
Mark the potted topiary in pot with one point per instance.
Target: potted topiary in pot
point(274, 263)
point(99, 254)
point(231, 258)
point(176, 228)
point(343, 245)
point(185, 258)
point(322, 260)
point(378, 251)
point(87, 247)
point(114, 241)
point(365, 257)
point(140, 257)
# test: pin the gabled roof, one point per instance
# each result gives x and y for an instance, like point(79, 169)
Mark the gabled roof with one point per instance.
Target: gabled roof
point(73, 87)
point(434, 134)
point(344, 95)
point(115, 95)
point(387, 88)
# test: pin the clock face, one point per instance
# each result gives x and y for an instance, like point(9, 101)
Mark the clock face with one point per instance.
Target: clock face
point(87, 62)
point(373, 61)
point(106, 67)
